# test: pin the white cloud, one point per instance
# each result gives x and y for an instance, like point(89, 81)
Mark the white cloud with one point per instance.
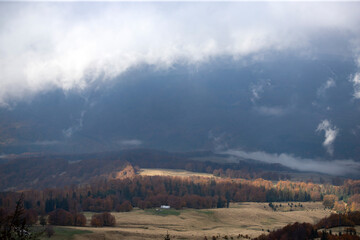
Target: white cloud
point(71, 45)
point(328, 84)
point(75, 127)
point(355, 130)
point(330, 135)
point(270, 111)
point(336, 167)
point(131, 143)
point(46, 143)
point(258, 89)
point(218, 140)
point(355, 79)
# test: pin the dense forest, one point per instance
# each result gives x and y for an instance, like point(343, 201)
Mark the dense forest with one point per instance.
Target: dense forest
point(110, 194)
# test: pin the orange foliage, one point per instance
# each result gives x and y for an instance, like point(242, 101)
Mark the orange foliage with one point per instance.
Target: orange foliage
point(329, 200)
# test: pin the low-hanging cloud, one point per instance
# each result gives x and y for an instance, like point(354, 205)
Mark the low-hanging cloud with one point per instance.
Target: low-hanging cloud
point(331, 133)
point(336, 167)
point(71, 45)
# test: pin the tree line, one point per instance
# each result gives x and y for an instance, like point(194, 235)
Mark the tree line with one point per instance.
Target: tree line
point(104, 195)
point(321, 230)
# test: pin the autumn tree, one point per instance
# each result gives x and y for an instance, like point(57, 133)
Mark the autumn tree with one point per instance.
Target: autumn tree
point(79, 220)
point(13, 225)
point(339, 207)
point(103, 219)
point(31, 216)
point(296, 231)
point(124, 207)
point(61, 217)
point(329, 201)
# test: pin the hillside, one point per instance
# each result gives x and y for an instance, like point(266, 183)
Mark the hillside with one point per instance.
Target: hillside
point(51, 172)
point(40, 170)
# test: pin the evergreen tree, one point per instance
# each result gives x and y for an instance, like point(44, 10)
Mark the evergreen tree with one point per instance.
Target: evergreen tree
point(14, 227)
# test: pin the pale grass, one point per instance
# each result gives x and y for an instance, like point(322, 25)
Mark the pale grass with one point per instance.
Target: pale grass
point(241, 218)
point(172, 172)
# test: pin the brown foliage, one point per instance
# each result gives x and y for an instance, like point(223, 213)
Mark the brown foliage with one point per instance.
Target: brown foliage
point(335, 220)
point(354, 217)
point(64, 218)
point(329, 200)
point(308, 231)
point(103, 219)
point(296, 231)
point(61, 217)
point(352, 186)
point(105, 195)
point(96, 222)
point(124, 207)
point(354, 198)
point(31, 216)
point(339, 207)
point(79, 220)
point(13, 224)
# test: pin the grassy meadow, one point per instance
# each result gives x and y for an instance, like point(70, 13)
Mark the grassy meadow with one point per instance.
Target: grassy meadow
point(247, 218)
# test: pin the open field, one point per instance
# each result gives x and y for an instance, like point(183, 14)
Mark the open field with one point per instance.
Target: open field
point(295, 176)
point(173, 173)
point(241, 218)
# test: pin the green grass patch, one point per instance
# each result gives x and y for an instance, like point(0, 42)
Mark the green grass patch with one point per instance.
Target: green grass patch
point(209, 214)
point(206, 212)
point(65, 233)
point(163, 212)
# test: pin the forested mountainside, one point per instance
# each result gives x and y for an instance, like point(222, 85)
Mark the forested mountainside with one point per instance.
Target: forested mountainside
point(38, 171)
point(107, 194)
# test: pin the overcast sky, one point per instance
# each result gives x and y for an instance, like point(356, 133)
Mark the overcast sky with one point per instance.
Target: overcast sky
point(70, 45)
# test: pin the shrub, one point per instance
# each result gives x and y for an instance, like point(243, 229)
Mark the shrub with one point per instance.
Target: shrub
point(124, 207)
point(79, 220)
point(335, 220)
point(296, 231)
point(31, 216)
point(103, 219)
point(61, 217)
point(329, 201)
